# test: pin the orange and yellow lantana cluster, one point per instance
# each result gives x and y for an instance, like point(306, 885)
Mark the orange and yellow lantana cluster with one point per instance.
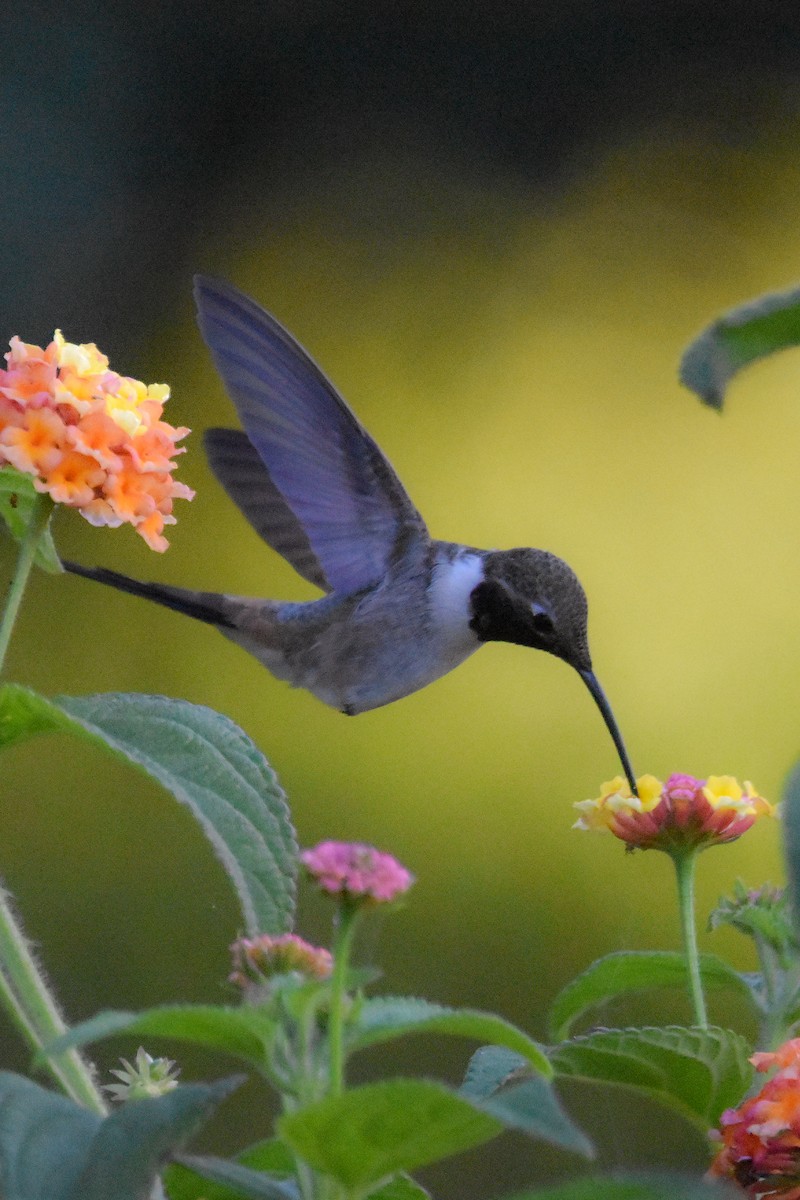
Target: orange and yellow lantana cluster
point(761, 1139)
point(92, 439)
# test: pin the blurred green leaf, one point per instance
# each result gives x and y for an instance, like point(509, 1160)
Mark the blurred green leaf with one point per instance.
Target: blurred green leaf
point(134, 1142)
point(206, 762)
point(791, 832)
point(235, 1180)
point(388, 1017)
point(17, 499)
point(698, 1072)
point(371, 1132)
point(655, 1186)
point(400, 1188)
point(501, 1082)
point(244, 1032)
point(51, 1149)
point(739, 337)
point(44, 1140)
point(634, 971)
point(184, 1183)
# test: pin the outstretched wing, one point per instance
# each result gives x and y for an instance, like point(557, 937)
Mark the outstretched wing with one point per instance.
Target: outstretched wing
point(334, 478)
point(239, 468)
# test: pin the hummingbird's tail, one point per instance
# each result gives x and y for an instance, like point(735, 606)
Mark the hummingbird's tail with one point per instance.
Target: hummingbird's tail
point(211, 607)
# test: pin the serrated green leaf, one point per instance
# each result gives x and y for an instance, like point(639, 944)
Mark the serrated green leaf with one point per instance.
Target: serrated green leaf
point(44, 1140)
point(698, 1072)
point(183, 1183)
point(639, 1186)
point(132, 1144)
point(17, 500)
point(371, 1132)
point(737, 338)
point(236, 1180)
point(388, 1017)
point(243, 1032)
point(632, 971)
point(206, 762)
point(500, 1081)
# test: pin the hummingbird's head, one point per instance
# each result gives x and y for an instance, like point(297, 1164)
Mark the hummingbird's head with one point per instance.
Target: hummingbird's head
point(533, 598)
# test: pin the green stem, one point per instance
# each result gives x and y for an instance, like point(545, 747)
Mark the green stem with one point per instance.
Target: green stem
point(343, 942)
point(684, 870)
point(25, 996)
point(40, 515)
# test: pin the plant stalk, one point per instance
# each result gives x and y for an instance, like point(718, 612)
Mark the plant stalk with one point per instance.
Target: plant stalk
point(40, 515)
point(684, 871)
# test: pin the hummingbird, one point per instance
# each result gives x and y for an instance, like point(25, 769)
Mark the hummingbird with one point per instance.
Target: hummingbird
point(400, 608)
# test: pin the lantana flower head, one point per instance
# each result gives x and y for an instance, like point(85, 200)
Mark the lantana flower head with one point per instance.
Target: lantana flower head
point(681, 813)
point(761, 1139)
point(92, 439)
point(356, 872)
point(258, 959)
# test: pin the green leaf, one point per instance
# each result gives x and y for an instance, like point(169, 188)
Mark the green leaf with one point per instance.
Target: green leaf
point(633, 971)
point(698, 1072)
point(51, 1149)
point(17, 500)
point(388, 1017)
point(184, 1183)
point(739, 337)
point(650, 1186)
point(206, 762)
point(133, 1143)
point(371, 1132)
point(501, 1082)
point(243, 1032)
point(44, 1140)
point(400, 1188)
point(237, 1180)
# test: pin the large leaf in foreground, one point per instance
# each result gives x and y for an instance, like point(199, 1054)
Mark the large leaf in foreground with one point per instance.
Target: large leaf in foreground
point(51, 1149)
point(698, 1072)
point(188, 1177)
point(371, 1132)
point(634, 971)
point(18, 497)
point(206, 762)
point(739, 337)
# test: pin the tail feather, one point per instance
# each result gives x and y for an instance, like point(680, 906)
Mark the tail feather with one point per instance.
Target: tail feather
point(204, 606)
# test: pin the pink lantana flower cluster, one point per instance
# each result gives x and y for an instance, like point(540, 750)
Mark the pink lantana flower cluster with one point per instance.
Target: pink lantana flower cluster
point(675, 815)
point(356, 872)
point(92, 439)
point(258, 959)
point(761, 1139)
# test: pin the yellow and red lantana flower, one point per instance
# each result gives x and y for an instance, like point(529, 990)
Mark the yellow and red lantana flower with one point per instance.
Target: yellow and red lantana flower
point(676, 815)
point(92, 439)
point(761, 1139)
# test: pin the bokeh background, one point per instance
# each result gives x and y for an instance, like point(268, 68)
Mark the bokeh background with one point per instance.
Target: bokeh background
point(496, 226)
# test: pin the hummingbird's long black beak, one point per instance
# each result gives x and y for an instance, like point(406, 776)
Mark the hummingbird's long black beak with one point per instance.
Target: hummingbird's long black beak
point(591, 681)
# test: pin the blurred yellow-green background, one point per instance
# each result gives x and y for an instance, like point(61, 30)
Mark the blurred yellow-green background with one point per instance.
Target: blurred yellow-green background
point(496, 231)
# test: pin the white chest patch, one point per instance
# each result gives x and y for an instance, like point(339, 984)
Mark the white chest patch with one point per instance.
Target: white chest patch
point(450, 608)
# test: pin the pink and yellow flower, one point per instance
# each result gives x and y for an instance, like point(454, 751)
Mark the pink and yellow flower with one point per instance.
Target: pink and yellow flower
point(257, 959)
point(675, 815)
point(92, 439)
point(761, 1139)
point(356, 872)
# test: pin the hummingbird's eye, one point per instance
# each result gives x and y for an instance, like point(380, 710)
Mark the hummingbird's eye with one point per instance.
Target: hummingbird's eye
point(542, 621)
